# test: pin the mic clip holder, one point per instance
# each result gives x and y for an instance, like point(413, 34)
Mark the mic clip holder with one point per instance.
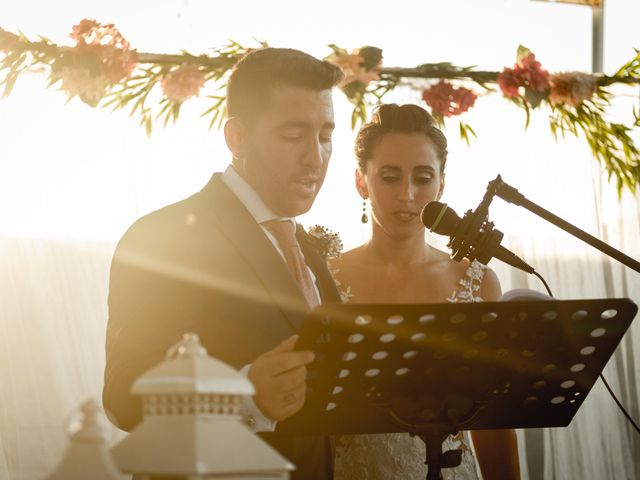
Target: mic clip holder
point(476, 237)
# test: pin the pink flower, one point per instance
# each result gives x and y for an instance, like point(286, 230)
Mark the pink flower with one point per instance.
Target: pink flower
point(118, 64)
point(352, 64)
point(528, 73)
point(182, 83)
point(534, 76)
point(367, 76)
point(107, 45)
point(447, 100)
point(571, 87)
point(509, 82)
point(90, 32)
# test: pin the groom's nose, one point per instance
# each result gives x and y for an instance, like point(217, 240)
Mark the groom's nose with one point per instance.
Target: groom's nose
point(314, 156)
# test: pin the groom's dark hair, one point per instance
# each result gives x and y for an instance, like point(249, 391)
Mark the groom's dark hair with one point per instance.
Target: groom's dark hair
point(253, 77)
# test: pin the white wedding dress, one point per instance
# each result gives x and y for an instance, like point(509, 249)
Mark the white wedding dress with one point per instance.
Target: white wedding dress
point(398, 455)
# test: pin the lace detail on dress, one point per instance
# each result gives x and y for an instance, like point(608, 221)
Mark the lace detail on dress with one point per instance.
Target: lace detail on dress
point(468, 288)
point(345, 293)
point(398, 455)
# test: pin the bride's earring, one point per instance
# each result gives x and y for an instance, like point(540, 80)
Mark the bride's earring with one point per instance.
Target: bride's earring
point(365, 217)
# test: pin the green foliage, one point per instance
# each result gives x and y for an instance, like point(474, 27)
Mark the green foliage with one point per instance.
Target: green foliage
point(533, 98)
point(523, 52)
point(465, 132)
point(610, 142)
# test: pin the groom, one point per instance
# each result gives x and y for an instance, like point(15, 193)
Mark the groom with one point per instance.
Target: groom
point(228, 264)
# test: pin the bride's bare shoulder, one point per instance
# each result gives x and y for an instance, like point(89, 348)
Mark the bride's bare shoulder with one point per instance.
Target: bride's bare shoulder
point(444, 262)
point(439, 257)
point(349, 259)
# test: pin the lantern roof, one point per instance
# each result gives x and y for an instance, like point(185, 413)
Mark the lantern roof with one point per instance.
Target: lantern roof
point(197, 445)
point(189, 369)
point(87, 456)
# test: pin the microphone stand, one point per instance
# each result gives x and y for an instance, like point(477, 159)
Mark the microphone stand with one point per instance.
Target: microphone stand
point(499, 188)
point(469, 240)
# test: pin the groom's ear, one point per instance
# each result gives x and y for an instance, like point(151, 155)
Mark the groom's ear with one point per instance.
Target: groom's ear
point(361, 185)
point(235, 136)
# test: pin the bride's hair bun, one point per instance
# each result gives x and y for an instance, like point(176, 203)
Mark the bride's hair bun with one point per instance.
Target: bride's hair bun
point(398, 118)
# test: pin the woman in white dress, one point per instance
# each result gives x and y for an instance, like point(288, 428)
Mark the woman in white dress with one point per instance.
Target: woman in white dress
point(401, 158)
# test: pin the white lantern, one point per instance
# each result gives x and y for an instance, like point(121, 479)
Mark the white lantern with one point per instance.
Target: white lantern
point(88, 457)
point(192, 422)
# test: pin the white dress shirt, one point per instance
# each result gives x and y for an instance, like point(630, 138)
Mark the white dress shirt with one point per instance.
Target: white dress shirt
point(260, 213)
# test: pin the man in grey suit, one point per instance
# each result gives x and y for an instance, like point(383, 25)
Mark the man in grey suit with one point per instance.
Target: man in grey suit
point(214, 263)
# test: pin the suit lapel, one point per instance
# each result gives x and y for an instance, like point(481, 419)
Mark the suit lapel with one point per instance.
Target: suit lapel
point(252, 244)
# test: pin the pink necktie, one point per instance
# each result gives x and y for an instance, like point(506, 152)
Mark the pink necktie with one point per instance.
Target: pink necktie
point(285, 234)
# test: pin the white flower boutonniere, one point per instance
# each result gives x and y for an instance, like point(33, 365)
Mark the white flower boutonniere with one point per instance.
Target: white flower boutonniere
point(328, 243)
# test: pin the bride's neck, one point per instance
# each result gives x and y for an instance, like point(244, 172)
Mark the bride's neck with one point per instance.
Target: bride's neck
point(397, 251)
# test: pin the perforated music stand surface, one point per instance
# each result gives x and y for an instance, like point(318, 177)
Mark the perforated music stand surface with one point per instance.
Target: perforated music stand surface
point(383, 368)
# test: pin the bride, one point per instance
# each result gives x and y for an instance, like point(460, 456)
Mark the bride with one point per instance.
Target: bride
point(401, 157)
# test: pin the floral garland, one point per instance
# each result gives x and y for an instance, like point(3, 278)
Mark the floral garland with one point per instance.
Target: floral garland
point(102, 69)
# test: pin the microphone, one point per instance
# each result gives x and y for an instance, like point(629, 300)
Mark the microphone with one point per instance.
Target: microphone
point(470, 237)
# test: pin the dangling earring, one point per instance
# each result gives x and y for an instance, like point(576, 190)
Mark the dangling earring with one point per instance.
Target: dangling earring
point(365, 217)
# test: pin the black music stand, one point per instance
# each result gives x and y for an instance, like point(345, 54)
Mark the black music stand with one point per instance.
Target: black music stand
point(432, 370)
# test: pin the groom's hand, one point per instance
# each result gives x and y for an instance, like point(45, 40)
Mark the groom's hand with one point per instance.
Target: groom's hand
point(279, 379)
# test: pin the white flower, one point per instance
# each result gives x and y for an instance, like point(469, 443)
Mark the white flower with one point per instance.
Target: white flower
point(327, 242)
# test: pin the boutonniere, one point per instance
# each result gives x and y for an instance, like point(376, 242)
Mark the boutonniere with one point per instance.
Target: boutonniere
point(328, 243)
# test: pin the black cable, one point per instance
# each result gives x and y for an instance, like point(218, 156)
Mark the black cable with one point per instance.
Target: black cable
point(635, 425)
point(544, 282)
point(613, 395)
